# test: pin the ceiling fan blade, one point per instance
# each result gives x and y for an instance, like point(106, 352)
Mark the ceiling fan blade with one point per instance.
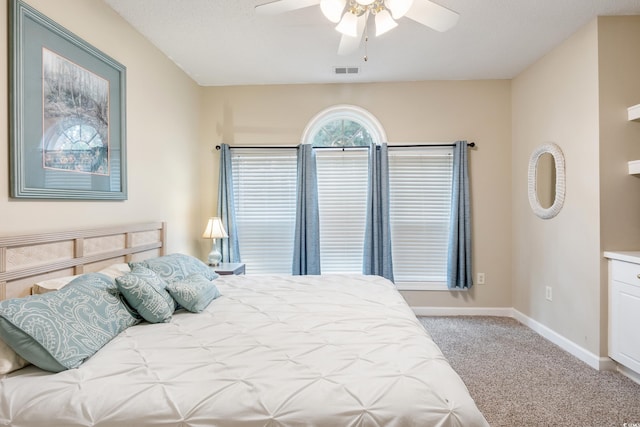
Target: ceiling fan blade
point(350, 44)
point(432, 15)
point(280, 6)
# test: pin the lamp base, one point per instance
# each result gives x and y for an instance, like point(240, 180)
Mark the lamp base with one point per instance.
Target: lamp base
point(214, 256)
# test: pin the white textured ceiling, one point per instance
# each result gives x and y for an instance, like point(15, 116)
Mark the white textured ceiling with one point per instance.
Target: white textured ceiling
point(224, 42)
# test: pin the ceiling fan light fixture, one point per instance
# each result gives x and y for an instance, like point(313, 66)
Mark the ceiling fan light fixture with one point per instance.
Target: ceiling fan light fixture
point(398, 8)
point(365, 2)
point(332, 9)
point(384, 22)
point(348, 25)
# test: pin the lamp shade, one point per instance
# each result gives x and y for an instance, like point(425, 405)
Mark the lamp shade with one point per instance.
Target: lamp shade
point(215, 229)
point(332, 9)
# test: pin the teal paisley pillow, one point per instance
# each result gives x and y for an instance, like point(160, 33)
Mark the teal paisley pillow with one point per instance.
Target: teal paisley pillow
point(146, 292)
point(194, 293)
point(60, 330)
point(177, 267)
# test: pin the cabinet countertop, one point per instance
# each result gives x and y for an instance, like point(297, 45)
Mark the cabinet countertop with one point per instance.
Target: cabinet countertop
point(628, 256)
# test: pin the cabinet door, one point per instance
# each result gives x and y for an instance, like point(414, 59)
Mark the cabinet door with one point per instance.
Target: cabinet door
point(625, 324)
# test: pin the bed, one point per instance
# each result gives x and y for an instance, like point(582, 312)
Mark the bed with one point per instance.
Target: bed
point(331, 350)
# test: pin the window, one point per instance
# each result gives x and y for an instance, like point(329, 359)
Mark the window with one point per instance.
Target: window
point(340, 133)
point(420, 191)
point(420, 206)
point(342, 200)
point(342, 184)
point(265, 201)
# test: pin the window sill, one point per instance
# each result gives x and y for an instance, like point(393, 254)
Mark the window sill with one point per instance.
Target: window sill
point(422, 286)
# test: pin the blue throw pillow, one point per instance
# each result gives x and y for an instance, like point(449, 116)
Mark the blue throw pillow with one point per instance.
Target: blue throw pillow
point(177, 267)
point(194, 293)
point(60, 330)
point(146, 292)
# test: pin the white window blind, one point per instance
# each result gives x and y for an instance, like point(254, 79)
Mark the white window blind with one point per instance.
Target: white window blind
point(265, 200)
point(342, 199)
point(420, 198)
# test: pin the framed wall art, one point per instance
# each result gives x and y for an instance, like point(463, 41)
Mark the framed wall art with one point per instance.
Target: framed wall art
point(67, 113)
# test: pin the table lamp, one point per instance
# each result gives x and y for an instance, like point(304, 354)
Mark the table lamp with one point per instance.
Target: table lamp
point(215, 230)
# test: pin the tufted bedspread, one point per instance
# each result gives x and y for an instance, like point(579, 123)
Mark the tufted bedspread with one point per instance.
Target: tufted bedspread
point(331, 351)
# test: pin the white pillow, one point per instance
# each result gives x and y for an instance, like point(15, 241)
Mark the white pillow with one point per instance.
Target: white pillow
point(116, 270)
point(10, 360)
point(52, 284)
point(113, 271)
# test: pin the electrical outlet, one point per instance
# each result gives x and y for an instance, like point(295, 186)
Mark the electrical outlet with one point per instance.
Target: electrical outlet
point(548, 293)
point(480, 278)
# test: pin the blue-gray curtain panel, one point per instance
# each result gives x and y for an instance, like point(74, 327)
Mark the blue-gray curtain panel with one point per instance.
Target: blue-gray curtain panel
point(377, 259)
point(459, 271)
point(229, 248)
point(306, 249)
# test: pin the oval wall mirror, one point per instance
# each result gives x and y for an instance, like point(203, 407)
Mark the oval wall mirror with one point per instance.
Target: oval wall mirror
point(546, 180)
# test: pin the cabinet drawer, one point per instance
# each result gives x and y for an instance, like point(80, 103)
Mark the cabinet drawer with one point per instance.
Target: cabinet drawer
point(625, 272)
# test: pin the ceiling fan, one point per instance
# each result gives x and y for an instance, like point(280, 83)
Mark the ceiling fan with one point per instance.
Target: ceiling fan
point(351, 16)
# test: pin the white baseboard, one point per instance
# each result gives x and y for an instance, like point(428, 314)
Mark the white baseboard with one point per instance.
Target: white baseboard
point(593, 360)
point(463, 311)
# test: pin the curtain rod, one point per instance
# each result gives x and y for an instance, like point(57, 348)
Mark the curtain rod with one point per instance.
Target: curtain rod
point(281, 147)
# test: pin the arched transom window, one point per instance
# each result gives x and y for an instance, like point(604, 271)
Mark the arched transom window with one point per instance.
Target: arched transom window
point(343, 126)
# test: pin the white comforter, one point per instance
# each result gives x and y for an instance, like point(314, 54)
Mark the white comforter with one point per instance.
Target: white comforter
point(335, 350)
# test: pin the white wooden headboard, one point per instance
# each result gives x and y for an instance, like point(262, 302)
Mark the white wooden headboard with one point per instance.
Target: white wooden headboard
point(27, 259)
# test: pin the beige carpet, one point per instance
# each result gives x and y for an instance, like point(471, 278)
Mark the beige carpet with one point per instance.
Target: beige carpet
point(518, 378)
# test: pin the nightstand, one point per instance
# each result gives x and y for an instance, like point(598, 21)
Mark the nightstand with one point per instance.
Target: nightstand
point(227, 268)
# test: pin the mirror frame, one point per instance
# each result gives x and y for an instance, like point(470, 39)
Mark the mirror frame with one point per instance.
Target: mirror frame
point(558, 159)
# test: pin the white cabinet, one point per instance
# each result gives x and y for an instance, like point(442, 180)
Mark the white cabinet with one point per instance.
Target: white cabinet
point(624, 308)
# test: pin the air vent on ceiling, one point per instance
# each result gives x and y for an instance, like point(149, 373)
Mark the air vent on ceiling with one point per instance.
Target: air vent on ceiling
point(346, 70)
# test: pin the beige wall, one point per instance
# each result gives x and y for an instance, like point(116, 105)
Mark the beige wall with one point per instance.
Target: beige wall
point(162, 135)
point(576, 96)
point(556, 100)
point(438, 111)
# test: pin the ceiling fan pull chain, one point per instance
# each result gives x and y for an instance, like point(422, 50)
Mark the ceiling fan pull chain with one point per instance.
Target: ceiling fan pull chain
point(366, 51)
point(366, 39)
